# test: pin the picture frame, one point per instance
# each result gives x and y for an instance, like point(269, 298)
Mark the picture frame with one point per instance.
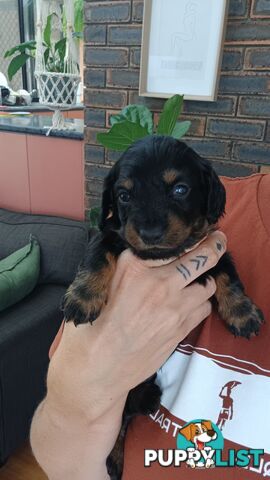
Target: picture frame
point(182, 48)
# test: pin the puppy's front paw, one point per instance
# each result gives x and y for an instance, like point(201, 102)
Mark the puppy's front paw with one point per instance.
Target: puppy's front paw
point(143, 399)
point(85, 298)
point(245, 318)
point(150, 401)
point(72, 309)
point(241, 315)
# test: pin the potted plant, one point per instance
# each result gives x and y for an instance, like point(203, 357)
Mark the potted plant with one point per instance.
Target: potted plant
point(56, 54)
point(136, 121)
point(53, 58)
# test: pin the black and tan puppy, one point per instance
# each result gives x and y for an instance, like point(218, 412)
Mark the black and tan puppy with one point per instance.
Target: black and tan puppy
point(159, 200)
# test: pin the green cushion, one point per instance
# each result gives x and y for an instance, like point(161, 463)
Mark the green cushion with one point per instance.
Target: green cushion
point(19, 274)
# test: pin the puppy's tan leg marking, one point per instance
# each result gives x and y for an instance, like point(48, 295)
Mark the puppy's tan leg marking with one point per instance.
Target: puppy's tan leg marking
point(88, 294)
point(242, 316)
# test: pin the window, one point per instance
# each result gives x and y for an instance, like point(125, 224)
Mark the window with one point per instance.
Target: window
point(17, 25)
point(9, 36)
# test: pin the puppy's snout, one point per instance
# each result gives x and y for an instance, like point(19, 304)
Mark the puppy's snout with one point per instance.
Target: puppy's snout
point(211, 433)
point(151, 235)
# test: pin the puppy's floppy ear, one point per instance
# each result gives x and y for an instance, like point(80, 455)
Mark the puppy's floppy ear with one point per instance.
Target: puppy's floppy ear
point(109, 211)
point(216, 194)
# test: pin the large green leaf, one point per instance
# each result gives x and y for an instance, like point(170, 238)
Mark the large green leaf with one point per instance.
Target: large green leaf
point(17, 63)
point(60, 48)
point(180, 129)
point(170, 114)
point(78, 13)
point(117, 119)
point(31, 45)
point(138, 114)
point(46, 56)
point(48, 30)
point(122, 135)
point(78, 19)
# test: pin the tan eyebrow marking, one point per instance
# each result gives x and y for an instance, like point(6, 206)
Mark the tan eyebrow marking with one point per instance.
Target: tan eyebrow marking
point(128, 184)
point(170, 175)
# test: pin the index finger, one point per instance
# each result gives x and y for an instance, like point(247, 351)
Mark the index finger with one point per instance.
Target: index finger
point(198, 261)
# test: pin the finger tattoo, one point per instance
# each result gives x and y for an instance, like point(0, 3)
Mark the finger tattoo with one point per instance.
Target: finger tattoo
point(184, 271)
point(200, 261)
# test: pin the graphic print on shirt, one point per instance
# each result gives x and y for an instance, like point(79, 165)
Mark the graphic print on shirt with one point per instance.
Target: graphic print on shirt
point(226, 412)
point(194, 380)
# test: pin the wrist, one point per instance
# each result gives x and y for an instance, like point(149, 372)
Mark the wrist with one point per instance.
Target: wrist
point(78, 397)
point(103, 413)
point(101, 432)
point(63, 445)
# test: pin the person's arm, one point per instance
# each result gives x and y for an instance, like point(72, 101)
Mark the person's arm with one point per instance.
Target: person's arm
point(68, 447)
point(148, 312)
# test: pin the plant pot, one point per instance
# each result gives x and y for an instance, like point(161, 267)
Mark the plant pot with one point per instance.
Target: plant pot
point(57, 89)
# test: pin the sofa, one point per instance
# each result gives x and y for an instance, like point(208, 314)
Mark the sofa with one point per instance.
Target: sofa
point(28, 327)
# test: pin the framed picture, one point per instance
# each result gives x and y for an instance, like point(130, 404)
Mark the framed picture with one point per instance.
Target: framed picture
point(182, 48)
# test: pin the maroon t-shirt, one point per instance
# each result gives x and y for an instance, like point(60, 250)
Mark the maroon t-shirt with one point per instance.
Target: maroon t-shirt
point(213, 375)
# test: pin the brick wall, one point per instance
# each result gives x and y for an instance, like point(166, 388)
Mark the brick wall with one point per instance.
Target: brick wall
point(233, 132)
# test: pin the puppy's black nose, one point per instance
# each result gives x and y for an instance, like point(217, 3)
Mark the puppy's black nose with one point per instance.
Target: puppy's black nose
point(151, 235)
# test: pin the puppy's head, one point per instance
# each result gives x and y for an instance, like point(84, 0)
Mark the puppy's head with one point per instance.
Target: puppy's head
point(161, 197)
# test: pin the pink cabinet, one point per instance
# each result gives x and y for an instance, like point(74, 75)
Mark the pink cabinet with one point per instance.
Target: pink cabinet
point(42, 175)
point(14, 181)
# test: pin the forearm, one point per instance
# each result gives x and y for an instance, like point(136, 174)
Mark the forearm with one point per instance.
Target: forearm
point(67, 449)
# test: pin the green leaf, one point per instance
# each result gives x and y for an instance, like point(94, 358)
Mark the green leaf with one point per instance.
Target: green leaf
point(180, 129)
point(94, 216)
point(31, 45)
point(78, 13)
point(48, 30)
point(122, 135)
point(170, 114)
point(60, 48)
point(46, 56)
point(117, 119)
point(17, 63)
point(138, 114)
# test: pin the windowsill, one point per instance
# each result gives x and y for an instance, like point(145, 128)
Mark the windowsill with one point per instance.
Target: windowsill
point(38, 125)
point(36, 107)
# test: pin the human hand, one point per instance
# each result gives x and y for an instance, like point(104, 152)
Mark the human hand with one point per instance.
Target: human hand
point(149, 311)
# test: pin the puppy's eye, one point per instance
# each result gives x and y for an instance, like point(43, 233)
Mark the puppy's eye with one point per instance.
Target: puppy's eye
point(180, 190)
point(124, 197)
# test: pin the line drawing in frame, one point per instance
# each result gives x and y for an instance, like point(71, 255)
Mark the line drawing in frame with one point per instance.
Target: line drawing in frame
point(182, 48)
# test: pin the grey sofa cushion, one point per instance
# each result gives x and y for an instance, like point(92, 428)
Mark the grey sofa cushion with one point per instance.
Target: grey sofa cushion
point(40, 309)
point(62, 242)
point(26, 333)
